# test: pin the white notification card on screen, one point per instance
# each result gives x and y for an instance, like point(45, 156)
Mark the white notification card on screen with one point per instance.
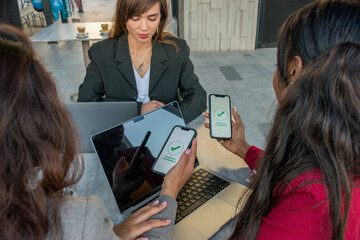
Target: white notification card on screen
point(178, 141)
point(220, 116)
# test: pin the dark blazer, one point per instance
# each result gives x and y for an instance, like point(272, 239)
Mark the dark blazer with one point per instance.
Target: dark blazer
point(110, 76)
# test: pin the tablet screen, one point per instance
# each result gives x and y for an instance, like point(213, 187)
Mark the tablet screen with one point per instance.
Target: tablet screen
point(116, 148)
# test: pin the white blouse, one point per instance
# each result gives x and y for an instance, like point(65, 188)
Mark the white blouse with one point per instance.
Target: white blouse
point(142, 85)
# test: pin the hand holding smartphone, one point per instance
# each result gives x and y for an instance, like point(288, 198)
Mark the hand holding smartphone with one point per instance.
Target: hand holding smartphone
point(179, 140)
point(220, 116)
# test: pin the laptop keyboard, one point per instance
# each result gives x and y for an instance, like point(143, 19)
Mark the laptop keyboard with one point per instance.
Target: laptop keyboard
point(199, 188)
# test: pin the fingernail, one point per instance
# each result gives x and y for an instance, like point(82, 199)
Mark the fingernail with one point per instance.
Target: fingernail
point(235, 108)
point(247, 180)
point(221, 142)
point(144, 238)
point(254, 171)
point(188, 151)
point(168, 220)
point(156, 202)
point(164, 203)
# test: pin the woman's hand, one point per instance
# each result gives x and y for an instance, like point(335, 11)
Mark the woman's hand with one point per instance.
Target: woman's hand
point(237, 144)
point(150, 106)
point(138, 222)
point(250, 180)
point(178, 175)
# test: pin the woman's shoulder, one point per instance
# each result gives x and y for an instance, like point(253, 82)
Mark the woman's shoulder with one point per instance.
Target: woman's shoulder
point(85, 217)
point(81, 202)
point(81, 206)
point(310, 182)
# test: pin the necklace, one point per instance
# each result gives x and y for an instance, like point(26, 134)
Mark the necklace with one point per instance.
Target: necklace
point(137, 61)
point(140, 67)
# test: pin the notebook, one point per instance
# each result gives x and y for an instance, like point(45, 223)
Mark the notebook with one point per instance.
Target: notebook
point(93, 117)
point(199, 202)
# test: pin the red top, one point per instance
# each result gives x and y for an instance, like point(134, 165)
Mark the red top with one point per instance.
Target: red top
point(304, 213)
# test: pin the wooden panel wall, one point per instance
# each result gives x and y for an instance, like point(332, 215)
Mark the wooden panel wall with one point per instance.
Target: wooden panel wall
point(218, 25)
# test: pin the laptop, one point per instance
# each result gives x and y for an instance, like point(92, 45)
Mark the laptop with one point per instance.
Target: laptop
point(207, 201)
point(93, 117)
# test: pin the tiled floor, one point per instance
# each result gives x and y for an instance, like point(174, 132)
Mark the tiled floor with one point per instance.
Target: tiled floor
point(244, 75)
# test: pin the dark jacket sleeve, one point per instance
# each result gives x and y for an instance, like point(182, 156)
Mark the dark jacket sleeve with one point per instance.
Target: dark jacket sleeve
point(92, 89)
point(192, 93)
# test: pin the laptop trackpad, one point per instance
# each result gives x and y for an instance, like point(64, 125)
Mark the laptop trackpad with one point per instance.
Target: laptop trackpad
point(232, 193)
point(184, 230)
point(208, 219)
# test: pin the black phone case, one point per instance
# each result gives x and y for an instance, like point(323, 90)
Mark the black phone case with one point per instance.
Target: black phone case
point(160, 173)
point(211, 113)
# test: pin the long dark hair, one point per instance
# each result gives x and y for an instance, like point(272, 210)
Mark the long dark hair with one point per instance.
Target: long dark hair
point(316, 28)
point(125, 9)
point(316, 126)
point(38, 142)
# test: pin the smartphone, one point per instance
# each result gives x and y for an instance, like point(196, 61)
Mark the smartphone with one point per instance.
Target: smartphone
point(220, 116)
point(179, 140)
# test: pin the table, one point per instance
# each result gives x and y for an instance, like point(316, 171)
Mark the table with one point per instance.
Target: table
point(210, 154)
point(67, 32)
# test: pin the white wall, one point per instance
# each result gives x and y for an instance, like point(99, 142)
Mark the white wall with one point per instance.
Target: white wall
point(218, 25)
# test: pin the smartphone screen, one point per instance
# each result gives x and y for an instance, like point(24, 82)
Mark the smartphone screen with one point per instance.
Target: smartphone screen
point(178, 141)
point(220, 116)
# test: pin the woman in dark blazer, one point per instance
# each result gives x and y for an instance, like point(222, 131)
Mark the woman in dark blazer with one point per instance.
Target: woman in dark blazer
point(139, 62)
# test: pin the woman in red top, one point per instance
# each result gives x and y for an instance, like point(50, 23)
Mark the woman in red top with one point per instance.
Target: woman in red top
point(307, 184)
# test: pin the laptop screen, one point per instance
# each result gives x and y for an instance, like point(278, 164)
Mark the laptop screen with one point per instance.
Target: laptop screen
point(128, 166)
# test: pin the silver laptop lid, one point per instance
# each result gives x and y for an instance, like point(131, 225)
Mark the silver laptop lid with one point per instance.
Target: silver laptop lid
point(117, 146)
point(93, 117)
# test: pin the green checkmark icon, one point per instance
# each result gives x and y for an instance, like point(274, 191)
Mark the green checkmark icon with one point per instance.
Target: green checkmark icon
point(174, 148)
point(221, 114)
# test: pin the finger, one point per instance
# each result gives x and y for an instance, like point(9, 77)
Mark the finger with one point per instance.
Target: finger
point(183, 159)
point(207, 125)
point(150, 224)
point(191, 160)
point(143, 209)
point(156, 106)
point(236, 116)
point(157, 103)
point(233, 123)
point(150, 212)
point(120, 164)
point(193, 151)
point(188, 157)
point(207, 115)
